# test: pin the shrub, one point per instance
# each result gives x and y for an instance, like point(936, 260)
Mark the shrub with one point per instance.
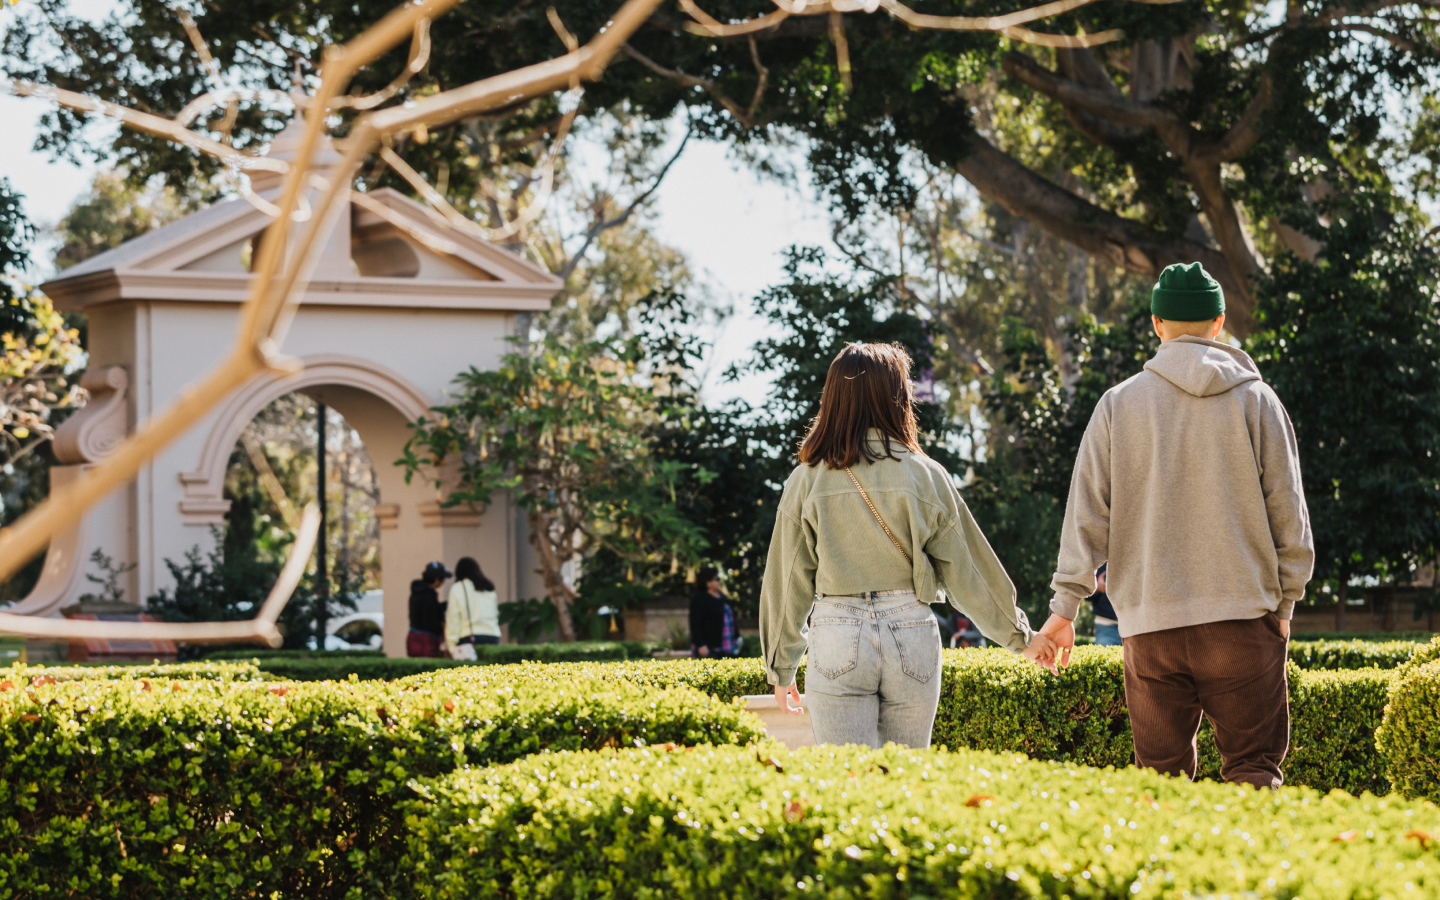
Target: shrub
point(129, 787)
point(1414, 637)
point(995, 700)
point(845, 822)
point(327, 667)
point(22, 675)
point(1350, 654)
point(1409, 737)
point(1422, 656)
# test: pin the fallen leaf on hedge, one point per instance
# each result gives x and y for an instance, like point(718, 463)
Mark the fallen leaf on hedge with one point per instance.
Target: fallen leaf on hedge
point(794, 811)
point(884, 770)
point(42, 679)
point(770, 761)
point(383, 714)
point(668, 747)
point(978, 799)
point(449, 705)
point(29, 717)
point(175, 686)
point(1424, 837)
point(7, 685)
point(281, 691)
point(144, 685)
point(1344, 836)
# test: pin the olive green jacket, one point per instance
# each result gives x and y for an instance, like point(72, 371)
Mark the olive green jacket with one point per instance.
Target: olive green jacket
point(826, 541)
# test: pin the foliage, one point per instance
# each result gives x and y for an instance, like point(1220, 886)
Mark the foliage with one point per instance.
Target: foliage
point(1414, 637)
point(111, 591)
point(336, 667)
point(1038, 417)
point(752, 450)
point(1409, 738)
point(115, 210)
point(132, 787)
point(1348, 343)
point(209, 670)
point(1350, 654)
point(563, 429)
point(221, 586)
point(849, 822)
point(528, 619)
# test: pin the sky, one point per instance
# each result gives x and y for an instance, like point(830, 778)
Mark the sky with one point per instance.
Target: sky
point(731, 224)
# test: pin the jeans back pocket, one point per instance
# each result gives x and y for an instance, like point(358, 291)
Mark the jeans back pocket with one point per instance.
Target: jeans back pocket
point(834, 645)
point(919, 645)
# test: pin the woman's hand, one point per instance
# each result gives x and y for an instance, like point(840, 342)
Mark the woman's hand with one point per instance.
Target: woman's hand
point(783, 696)
point(1042, 651)
point(703, 650)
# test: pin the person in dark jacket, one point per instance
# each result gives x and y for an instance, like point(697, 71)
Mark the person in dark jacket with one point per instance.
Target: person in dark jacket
point(1107, 627)
point(712, 619)
point(427, 613)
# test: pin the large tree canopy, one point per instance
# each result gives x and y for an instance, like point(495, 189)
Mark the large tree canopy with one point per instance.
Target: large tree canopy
point(1183, 140)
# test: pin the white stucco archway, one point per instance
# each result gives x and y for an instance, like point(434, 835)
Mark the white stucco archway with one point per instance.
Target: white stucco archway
point(399, 304)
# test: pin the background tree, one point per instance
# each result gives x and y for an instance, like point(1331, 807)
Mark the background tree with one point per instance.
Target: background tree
point(753, 450)
point(1351, 343)
point(1184, 140)
point(563, 428)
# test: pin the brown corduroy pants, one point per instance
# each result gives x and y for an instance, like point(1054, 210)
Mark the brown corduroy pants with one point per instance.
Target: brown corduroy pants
point(1233, 672)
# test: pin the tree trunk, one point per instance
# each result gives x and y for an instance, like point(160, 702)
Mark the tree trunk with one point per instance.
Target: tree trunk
point(552, 561)
point(1344, 594)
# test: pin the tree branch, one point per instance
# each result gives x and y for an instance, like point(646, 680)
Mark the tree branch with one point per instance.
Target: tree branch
point(691, 81)
point(603, 224)
point(1120, 241)
point(1243, 134)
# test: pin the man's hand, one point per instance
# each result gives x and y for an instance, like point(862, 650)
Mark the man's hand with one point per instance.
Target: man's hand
point(1285, 628)
point(703, 650)
point(1041, 652)
point(1062, 631)
point(783, 696)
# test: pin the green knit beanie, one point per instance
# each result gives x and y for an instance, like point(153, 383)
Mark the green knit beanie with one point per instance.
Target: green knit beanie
point(1187, 293)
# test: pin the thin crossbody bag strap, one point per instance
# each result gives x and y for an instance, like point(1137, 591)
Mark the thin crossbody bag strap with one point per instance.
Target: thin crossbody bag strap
point(876, 513)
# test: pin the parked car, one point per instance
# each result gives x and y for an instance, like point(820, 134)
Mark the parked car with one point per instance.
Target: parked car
point(357, 631)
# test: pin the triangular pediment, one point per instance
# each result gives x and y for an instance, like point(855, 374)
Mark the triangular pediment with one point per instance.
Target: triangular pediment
point(388, 245)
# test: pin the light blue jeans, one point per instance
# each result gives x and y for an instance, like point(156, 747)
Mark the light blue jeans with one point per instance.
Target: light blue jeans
point(873, 673)
point(1107, 635)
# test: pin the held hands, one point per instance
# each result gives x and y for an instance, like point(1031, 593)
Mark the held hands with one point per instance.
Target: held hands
point(1061, 631)
point(783, 696)
point(1042, 652)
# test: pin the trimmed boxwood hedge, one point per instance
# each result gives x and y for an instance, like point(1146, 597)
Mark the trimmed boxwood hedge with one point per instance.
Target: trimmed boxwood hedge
point(1409, 737)
point(845, 823)
point(130, 787)
point(995, 700)
point(368, 666)
point(205, 671)
point(1350, 654)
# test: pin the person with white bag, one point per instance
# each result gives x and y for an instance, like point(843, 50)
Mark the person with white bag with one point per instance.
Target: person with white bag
point(473, 614)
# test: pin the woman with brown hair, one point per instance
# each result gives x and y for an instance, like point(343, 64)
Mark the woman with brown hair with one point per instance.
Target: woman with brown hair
point(869, 528)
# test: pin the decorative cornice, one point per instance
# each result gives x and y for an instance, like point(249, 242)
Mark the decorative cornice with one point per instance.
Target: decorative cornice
point(465, 515)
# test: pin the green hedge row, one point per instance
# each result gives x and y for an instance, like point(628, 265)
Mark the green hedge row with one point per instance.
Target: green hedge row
point(130, 787)
point(1409, 738)
point(21, 674)
point(1415, 637)
point(322, 667)
point(995, 700)
point(848, 823)
point(1351, 654)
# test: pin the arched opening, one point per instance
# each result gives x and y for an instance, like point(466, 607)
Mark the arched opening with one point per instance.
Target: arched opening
point(274, 470)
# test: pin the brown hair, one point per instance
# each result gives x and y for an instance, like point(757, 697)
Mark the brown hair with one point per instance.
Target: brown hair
point(868, 386)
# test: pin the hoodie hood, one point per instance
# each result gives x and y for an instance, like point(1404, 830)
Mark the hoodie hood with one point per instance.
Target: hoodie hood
point(1202, 368)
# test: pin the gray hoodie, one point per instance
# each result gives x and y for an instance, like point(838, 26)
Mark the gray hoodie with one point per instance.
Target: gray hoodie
point(1188, 484)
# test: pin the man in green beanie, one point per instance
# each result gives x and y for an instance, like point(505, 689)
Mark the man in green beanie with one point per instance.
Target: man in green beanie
point(1188, 485)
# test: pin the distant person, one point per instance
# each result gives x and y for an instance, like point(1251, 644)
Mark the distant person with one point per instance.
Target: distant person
point(712, 619)
point(1188, 480)
point(1107, 626)
point(473, 616)
point(427, 614)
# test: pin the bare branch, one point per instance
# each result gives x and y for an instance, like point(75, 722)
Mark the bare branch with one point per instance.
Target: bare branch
point(685, 80)
point(1401, 43)
point(1243, 134)
point(603, 224)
